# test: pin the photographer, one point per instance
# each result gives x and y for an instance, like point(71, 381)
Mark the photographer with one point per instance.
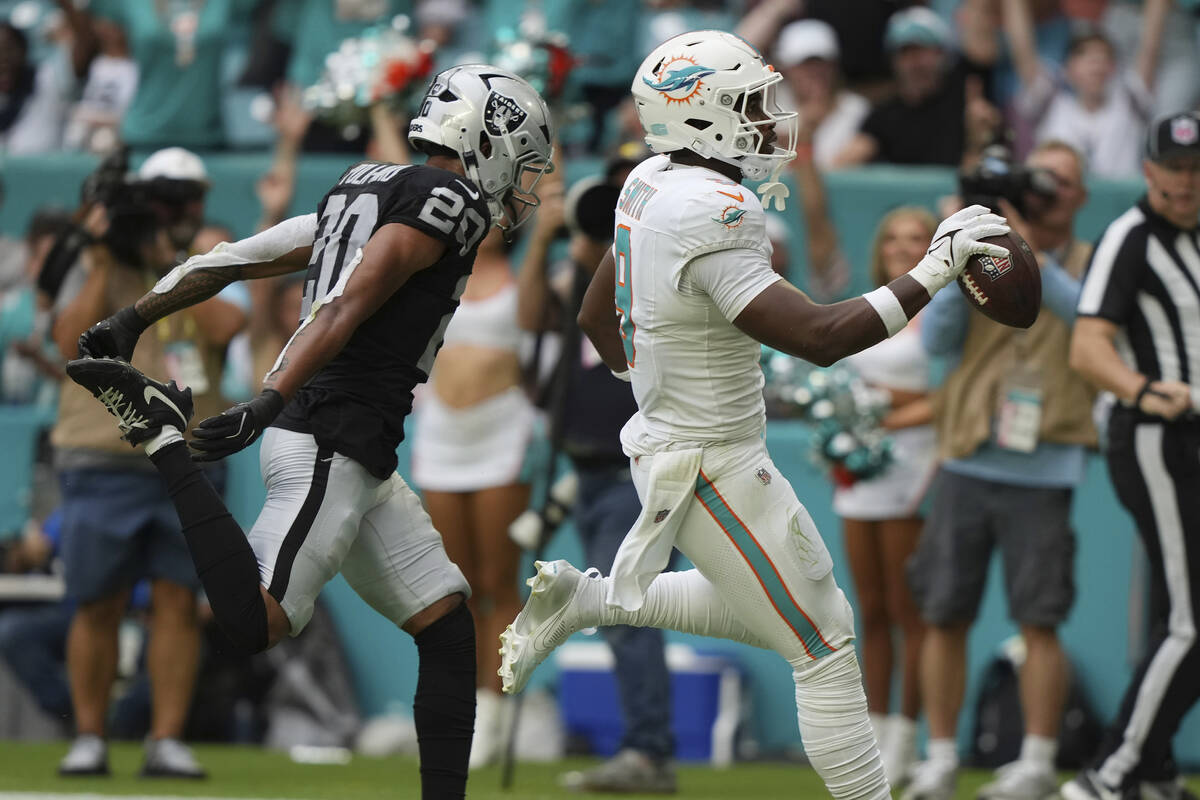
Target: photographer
point(1013, 425)
point(118, 523)
point(594, 407)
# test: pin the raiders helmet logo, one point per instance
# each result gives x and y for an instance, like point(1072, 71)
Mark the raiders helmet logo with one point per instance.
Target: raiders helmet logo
point(995, 267)
point(502, 114)
point(1184, 130)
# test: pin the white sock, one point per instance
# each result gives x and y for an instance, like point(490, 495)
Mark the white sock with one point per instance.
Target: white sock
point(1039, 750)
point(880, 723)
point(944, 751)
point(901, 728)
point(677, 601)
point(168, 435)
point(831, 708)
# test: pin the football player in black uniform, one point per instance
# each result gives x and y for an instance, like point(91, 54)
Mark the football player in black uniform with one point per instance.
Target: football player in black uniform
point(388, 253)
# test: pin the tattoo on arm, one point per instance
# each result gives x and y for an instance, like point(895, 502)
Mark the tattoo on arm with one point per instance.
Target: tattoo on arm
point(193, 288)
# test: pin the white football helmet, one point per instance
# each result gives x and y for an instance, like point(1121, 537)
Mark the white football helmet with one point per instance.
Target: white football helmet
point(712, 93)
point(499, 126)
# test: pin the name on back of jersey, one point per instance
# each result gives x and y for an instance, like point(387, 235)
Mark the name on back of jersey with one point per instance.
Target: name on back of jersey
point(635, 196)
point(370, 172)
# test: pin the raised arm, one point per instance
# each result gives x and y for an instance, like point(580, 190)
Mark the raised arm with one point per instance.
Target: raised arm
point(286, 247)
point(393, 254)
point(1154, 20)
point(1022, 47)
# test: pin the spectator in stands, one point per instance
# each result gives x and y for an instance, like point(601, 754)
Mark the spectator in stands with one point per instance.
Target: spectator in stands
point(590, 407)
point(33, 635)
point(29, 373)
point(1089, 104)
point(33, 98)
point(119, 525)
point(473, 433)
point(807, 54)
point(1013, 426)
point(1177, 80)
point(940, 114)
point(179, 49)
point(108, 90)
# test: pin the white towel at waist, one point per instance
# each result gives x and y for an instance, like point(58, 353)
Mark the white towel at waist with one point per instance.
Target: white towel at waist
point(647, 547)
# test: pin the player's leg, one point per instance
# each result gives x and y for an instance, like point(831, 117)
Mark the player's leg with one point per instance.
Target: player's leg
point(750, 535)
point(606, 508)
point(399, 566)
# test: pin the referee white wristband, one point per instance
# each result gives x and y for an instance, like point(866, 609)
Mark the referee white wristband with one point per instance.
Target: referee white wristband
point(888, 307)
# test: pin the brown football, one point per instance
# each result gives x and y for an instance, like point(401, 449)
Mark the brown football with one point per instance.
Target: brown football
point(1007, 290)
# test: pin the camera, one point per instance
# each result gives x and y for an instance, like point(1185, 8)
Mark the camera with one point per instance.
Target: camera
point(998, 177)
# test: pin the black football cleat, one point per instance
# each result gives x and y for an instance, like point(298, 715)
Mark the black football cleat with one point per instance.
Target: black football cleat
point(141, 405)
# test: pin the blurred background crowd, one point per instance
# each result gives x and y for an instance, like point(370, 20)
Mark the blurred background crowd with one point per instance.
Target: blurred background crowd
point(178, 93)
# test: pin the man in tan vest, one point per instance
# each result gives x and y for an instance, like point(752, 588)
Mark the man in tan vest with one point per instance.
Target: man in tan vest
point(1014, 424)
point(118, 523)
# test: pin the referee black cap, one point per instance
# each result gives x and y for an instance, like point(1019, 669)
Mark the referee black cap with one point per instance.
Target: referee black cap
point(1174, 135)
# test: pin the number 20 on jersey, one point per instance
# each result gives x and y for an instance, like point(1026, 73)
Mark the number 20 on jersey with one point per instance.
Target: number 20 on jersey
point(624, 292)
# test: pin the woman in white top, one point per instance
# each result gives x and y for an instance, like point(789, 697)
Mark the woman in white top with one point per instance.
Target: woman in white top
point(880, 517)
point(474, 425)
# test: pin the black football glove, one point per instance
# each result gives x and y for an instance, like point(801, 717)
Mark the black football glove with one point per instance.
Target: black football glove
point(114, 337)
point(236, 428)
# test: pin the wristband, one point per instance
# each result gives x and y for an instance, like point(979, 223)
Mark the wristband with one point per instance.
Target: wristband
point(888, 307)
point(623, 375)
point(1146, 390)
point(131, 320)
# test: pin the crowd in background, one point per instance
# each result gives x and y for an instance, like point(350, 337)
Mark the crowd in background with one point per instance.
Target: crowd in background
point(1072, 83)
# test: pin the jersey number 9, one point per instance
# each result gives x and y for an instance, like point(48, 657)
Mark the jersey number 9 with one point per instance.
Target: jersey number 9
point(624, 292)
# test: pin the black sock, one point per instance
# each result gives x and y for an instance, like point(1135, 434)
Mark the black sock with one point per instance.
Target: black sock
point(227, 567)
point(444, 706)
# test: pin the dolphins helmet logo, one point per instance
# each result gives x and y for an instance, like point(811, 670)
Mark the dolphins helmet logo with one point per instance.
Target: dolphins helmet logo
point(678, 79)
point(731, 217)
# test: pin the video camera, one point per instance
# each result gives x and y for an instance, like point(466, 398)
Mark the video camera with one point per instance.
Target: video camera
point(998, 177)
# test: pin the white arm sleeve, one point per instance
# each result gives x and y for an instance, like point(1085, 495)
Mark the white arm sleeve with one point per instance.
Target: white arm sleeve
point(732, 278)
point(269, 245)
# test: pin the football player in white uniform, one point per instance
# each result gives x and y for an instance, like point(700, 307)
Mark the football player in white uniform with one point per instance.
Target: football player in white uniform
point(694, 292)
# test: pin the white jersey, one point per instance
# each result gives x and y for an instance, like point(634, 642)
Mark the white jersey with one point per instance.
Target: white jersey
point(691, 253)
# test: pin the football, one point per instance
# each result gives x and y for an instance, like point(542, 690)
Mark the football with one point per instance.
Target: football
point(1007, 290)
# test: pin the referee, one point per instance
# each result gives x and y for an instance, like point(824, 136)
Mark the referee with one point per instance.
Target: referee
point(1137, 335)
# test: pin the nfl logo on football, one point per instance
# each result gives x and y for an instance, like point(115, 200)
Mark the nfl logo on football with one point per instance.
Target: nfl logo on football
point(995, 267)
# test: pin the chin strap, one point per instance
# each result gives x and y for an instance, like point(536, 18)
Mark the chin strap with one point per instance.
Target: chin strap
point(772, 189)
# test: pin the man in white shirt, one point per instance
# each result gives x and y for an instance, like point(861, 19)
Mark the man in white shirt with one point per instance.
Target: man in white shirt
point(694, 293)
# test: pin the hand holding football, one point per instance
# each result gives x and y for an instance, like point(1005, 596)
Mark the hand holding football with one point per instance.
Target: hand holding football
point(1007, 290)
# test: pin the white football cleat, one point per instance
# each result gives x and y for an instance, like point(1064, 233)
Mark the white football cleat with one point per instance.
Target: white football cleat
point(545, 622)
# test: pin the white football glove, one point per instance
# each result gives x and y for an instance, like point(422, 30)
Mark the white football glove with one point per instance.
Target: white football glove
point(955, 241)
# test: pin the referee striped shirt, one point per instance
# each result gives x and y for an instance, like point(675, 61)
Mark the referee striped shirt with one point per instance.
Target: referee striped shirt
point(1145, 278)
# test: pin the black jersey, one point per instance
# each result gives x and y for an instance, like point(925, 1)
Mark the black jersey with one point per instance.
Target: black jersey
point(356, 404)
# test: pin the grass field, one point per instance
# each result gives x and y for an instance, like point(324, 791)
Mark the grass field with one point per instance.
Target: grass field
point(27, 773)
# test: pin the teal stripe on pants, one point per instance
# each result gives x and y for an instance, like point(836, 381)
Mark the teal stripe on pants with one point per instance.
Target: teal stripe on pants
point(778, 594)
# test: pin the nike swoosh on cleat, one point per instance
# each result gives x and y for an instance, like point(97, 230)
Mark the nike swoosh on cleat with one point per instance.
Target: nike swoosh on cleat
point(154, 392)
